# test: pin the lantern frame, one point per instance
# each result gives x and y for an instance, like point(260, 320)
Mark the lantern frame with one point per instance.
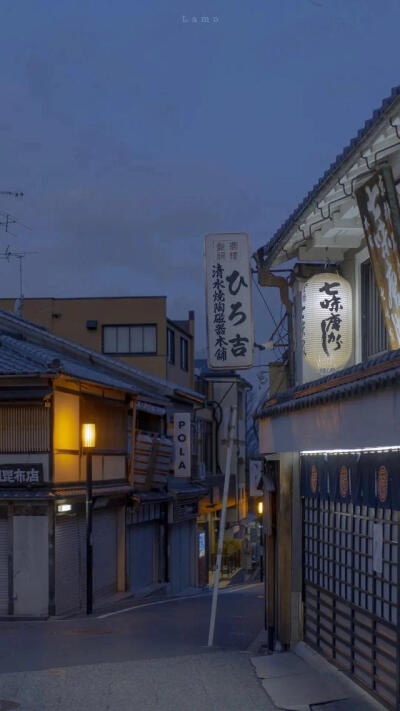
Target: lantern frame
point(327, 322)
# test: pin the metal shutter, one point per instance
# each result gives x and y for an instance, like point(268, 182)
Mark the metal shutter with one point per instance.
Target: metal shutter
point(70, 564)
point(3, 566)
point(141, 555)
point(104, 553)
point(182, 551)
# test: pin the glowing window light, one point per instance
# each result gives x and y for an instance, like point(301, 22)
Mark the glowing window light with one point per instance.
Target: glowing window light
point(89, 435)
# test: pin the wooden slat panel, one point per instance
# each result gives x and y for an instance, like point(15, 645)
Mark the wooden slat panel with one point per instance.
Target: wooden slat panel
point(356, 627)
point(24, 429)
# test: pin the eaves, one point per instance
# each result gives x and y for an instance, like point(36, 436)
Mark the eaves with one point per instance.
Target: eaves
point(267, 254)
point(352, 382)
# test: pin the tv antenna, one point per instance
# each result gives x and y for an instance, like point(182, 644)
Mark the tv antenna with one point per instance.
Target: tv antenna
point(10, 219)
point(12, 193)
point(17, 255)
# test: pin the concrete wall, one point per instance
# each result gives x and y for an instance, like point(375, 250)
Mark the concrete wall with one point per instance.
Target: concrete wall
point(67, 318)
point(175, 373)
point(369, 420)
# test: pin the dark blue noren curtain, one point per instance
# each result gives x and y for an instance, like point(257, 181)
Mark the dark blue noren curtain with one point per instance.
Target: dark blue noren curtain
point(380, 477)
point(314, 476)
point(368, 478)
point(344, 478)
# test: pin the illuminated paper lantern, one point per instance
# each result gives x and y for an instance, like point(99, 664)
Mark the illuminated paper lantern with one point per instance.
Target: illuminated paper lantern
point(327, 321)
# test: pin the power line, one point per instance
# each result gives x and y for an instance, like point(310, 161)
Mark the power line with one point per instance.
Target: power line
point(277, 325)
point(12, 193)
point(265, 302)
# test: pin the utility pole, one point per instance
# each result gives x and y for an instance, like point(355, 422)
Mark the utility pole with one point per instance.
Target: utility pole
point(231, 430)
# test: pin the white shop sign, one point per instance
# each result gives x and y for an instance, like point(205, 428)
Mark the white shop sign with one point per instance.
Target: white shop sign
point(256, 467)
point(182, 444)
point(230, 330)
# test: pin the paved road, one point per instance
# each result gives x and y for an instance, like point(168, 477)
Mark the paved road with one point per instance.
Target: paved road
point(153, 657)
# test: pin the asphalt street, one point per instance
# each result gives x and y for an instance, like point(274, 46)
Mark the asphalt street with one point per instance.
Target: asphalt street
point(146, 655)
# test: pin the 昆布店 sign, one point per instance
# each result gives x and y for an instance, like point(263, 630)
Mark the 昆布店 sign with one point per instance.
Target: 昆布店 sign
point(230, 331)
point(21, 473)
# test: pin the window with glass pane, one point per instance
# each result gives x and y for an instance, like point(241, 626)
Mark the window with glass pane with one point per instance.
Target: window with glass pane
point(184, 354)
point(123, 339)
point(374, 336)
point(149, 339)
point(110, 339)
point(136, 345)
point(171, 345)
point(130, 339)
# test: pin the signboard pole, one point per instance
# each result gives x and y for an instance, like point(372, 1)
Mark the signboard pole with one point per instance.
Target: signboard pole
point(231, 430)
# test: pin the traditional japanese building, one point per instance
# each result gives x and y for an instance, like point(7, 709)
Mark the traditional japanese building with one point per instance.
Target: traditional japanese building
point(330, 433)
point(50, 387)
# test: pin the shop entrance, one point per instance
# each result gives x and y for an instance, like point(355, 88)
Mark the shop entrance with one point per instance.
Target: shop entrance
point(351, 572)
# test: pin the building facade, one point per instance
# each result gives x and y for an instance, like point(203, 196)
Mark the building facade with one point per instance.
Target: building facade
point(49, 387)
point(329, 429)
point(133, 329)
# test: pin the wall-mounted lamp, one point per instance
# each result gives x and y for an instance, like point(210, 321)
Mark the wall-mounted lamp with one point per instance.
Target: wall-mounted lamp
point(260, 508)
point(88, 442)
point(64, 508)
point(88, 435)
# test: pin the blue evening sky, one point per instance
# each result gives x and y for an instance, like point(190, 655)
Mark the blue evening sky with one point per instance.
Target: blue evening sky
point(134, 133)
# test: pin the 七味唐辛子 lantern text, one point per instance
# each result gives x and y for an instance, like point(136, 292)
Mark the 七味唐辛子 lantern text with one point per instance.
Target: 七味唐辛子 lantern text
point(327, 321)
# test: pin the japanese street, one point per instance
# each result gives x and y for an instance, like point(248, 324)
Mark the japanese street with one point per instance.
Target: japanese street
point(148, 654)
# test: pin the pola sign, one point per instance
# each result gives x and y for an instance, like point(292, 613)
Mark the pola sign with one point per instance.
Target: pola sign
point(182, 444)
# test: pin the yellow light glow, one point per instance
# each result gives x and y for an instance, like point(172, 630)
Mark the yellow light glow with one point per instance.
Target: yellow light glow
point(260, 507)
point(89, 435)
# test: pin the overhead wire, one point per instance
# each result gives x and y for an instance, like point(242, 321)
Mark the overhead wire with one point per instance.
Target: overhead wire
point(276, 324)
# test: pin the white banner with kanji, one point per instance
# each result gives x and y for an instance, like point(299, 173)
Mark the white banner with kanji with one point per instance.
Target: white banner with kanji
point(230, 329)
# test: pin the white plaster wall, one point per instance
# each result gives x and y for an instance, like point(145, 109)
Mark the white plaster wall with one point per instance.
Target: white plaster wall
point(371, 420)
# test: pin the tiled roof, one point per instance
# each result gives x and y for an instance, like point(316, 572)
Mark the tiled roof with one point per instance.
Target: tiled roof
point(204, 371)
point(19, 357)
point(26, 493)
point(146, 497)
point(186, 488)
point(140, 381)
point(372, 374)
point(278, 238)
point(51, 492)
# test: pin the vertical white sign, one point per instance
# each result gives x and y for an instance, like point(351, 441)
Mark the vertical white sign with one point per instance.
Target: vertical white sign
point(230, 331)
point(256, 467)
point(182, 444)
